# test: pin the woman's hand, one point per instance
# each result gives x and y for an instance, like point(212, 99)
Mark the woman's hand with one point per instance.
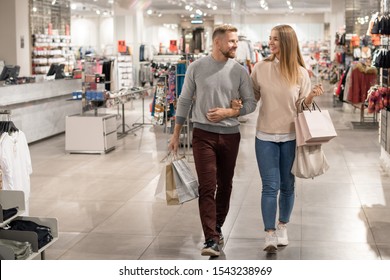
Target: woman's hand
point(236, 104)
point(316, 91)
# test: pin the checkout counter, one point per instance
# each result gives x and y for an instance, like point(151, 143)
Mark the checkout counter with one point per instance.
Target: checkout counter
point(39, 109)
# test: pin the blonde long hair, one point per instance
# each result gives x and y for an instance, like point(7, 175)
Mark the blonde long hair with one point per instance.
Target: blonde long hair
point(290, 55)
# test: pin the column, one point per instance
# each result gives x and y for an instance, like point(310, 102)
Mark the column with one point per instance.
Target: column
point(236, 14)
point(337, 21)
point(14, 31)
point(129, 26)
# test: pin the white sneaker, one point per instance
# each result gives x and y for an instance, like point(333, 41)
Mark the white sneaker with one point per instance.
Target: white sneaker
point(271, 242)
point(281, 233)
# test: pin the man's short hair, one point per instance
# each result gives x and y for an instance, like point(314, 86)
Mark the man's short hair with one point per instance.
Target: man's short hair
point(222, 29)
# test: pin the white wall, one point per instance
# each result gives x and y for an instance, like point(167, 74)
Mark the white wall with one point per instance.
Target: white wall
point(96, 32)
point(107, 33)
point(309, 27)
point(157, 33)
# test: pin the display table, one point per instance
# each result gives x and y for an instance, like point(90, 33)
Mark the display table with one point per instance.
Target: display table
point(39, 109)
point(90, 133)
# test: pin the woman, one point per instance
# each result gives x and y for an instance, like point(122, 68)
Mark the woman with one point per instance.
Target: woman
point(281, 82)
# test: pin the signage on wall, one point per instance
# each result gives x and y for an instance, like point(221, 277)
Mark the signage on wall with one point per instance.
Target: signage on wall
point(197, 21)
point(121, 46)
point(173, 46)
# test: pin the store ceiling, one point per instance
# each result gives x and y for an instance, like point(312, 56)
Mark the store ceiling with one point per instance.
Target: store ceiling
point(224, 7)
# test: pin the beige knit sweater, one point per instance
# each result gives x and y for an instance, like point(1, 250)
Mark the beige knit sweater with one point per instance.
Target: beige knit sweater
point(277, 99)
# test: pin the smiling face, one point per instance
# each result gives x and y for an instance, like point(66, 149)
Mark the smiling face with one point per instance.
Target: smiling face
point(274, 43)
point(227, 44)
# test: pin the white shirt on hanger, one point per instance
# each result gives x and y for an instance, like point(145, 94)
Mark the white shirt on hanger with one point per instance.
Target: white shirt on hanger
point(15, 163)
point(6, 162)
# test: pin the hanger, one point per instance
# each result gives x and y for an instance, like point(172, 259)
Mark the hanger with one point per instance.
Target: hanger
point(8, 126)
point(4, 125)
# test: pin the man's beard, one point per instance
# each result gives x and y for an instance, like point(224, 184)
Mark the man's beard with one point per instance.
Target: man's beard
point(229, 54)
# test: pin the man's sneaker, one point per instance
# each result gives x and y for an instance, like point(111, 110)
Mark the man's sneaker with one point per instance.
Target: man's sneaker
point(210, 249)
point(281, 233)
point(221, 238)
point(271, 242)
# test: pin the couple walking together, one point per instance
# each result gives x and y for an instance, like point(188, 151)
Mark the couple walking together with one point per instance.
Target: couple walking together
point(219, 90)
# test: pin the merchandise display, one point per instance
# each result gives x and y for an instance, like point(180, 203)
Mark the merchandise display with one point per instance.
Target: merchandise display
point(125, 71)
point(24, 237)
point(49, 50)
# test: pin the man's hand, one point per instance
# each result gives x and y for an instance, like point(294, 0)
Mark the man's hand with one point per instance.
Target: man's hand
point(218, 114)
point(173, 144)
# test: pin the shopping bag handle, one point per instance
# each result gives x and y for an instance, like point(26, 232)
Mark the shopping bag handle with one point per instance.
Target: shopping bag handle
point(313, 106)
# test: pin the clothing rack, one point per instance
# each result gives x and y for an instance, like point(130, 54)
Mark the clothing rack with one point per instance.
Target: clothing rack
point(365, 122)
point(7, 113)
point(7, 125)
point(187, 128)
point(124, 98)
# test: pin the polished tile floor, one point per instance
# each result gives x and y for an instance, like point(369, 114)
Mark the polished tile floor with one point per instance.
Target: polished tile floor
point(106, 208)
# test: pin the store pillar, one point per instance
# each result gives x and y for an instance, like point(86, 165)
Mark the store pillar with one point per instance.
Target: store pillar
point(337, 21)
point(15, 35)
point(130, 28)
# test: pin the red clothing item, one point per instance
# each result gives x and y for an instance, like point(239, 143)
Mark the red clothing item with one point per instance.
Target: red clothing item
point(340, 84)
point(362, 78)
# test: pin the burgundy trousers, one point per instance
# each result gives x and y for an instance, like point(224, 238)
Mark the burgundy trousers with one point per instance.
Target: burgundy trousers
point(215, 159)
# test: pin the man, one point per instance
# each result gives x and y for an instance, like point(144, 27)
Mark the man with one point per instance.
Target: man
point(213, 85)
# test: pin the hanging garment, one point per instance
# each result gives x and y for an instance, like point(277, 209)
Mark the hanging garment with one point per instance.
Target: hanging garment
point(107, 74)
point(142, 53)
point(362, 79)
point(22, 163)
point(15, 163)
point(6, 162)
point(181, 70)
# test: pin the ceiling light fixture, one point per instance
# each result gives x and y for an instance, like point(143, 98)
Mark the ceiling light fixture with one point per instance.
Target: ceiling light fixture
point(263, 4)
point(290, 5)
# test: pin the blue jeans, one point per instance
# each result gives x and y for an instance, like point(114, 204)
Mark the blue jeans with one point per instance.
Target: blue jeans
point(275, 160)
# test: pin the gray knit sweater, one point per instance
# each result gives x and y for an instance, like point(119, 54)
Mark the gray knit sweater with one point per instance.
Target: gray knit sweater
point(209, 84)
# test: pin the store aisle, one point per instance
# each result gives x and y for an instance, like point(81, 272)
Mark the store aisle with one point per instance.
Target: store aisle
point(106, 207)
